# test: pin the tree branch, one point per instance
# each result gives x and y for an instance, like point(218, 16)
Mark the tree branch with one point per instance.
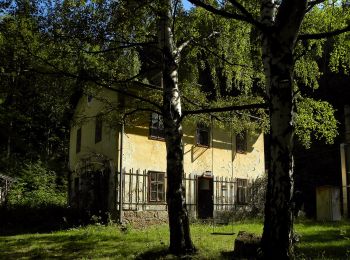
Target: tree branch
point(58, 71)
point(317, 36)
point(242, 9)
point(224, 109)
point(127, 45)
point(222, 58)
point(183, 45)
point(138, 110)
point(249, 19)
point(312, 4)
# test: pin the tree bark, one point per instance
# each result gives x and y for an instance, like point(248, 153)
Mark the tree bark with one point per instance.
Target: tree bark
point(278, 48)
point(180, 239)
point(276, 240)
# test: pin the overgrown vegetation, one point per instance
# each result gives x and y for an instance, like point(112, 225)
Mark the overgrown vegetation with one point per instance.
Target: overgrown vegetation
point(101, 242)
point(37, 186)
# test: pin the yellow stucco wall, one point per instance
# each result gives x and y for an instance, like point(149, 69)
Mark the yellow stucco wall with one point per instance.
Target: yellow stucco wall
point(142, 153)
point(107, 146)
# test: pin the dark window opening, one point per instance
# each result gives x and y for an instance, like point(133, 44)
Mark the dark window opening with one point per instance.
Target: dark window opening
point(241, 142)
point(89, 98)
point(156, 187)
point(76, 184)
point(98, 129)
point(203, 135)
point(156, 128)
point(242, 191)
point(78, 144)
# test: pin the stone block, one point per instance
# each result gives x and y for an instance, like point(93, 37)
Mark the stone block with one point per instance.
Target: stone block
point(246, 245)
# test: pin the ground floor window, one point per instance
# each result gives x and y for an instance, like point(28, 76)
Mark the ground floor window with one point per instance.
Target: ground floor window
point(156, 186)
point(242, 191)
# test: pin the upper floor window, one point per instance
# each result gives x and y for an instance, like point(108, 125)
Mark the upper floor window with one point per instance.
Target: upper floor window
point(156, 187)
point(98, 129)
point(89, 99)
point(78, 144)
point(156, 128)
point(241, 142)
point(242, 185)
point(203, 135)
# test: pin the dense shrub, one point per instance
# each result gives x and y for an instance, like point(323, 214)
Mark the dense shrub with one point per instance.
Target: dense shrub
point(36, 187)
point(255, 207)
point(258, 197)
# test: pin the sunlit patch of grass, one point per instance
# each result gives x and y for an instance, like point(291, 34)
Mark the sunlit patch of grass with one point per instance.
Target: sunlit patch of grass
point(318, 240)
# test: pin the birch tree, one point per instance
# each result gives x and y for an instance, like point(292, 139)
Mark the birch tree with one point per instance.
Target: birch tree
point(280, 26)
point(180, 239)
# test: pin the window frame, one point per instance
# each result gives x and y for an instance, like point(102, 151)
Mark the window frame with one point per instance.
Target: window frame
point(156, 133)
point(78, 141)
point(89, 99)
point(242, 188)
point(242, 142)
point(201, 128)
point(157, 182)
point(98, 128)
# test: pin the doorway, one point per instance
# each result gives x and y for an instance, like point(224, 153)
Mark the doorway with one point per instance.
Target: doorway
point(205, 203)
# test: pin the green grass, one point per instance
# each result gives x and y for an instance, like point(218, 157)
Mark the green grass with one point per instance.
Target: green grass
point(318, 240)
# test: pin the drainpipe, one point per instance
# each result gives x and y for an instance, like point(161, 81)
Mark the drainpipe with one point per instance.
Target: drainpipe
point(121, 176)
point(212, 144)
point(345, 162)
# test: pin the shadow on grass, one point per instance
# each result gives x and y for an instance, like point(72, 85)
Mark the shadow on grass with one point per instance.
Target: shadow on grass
point(71, 246)
point(163, 253)
point(157, 253)
point(25, 220)
point(227, 255)
point(333, 243)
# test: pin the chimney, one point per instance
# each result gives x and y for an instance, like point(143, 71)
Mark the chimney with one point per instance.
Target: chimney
point(347, 123)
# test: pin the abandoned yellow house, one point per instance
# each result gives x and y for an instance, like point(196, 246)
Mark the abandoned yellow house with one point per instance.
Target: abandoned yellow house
point(115, 168)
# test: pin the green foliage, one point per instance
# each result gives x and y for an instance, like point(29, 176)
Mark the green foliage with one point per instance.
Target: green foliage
point(315, 120)
point(36, 186)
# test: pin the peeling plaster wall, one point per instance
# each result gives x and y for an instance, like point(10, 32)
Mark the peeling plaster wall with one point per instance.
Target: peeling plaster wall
point(140, 152)
point(108, 146)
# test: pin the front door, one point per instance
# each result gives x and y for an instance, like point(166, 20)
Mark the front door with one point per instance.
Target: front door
point(205, 204)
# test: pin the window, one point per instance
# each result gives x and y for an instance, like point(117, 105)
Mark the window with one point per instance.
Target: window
point(78, 144)
point(156, 187)
point(241, 142)
point(89, 99)
point(242, 191)
point(203, 135)
point(98, 129)
point(156, 128)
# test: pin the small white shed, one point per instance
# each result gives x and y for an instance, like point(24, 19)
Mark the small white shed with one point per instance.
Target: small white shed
point(328, 203)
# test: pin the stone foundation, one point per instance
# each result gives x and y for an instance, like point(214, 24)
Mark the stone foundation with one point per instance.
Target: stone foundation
point(140, 219)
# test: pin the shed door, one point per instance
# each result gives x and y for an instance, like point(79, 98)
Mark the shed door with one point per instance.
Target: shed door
point(205, 204)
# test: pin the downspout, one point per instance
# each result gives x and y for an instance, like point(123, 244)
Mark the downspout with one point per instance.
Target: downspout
point(212, 145)
point(121, 176)
point(345, 162)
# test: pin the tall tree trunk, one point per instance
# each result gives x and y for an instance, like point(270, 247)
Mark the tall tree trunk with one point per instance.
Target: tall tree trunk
point(180, 239)
point(278, 45)
point(278, 218)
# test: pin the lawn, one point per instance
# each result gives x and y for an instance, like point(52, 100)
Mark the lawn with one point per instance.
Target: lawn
point(318, 240)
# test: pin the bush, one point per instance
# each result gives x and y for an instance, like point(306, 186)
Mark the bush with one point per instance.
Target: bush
point(255, 208)
point(36, 187)
point(258, 197)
